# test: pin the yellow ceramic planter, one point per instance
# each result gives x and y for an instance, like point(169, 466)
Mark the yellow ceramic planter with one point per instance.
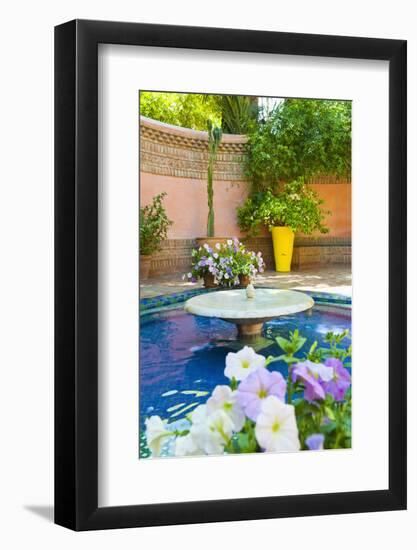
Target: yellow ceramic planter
point(283, 242)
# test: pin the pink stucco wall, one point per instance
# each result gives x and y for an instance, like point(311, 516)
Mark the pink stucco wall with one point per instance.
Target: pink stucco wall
point(175, 159)
point(186, 204)
point(338, 199)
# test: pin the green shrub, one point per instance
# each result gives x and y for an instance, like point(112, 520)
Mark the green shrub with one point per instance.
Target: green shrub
point(186, 110)
point(235, 114)
point(295, 206)
point(239, 113)
point(300, 138)
point(153, 226)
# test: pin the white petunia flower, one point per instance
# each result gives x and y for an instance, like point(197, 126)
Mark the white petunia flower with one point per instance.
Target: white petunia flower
point(320, 371)
point(186, 446)
point(156, 433)
point(239, 365)
point(224, 399)
point(229, 242)
point(221, 428)
point(210, 432)
point(276, 427)
point(198, 415)
point(218, 246)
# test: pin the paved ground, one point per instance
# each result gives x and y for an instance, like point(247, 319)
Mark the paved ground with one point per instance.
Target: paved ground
point(334, 279)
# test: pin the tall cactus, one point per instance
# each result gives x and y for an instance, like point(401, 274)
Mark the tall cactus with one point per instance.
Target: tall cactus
point(214, 139)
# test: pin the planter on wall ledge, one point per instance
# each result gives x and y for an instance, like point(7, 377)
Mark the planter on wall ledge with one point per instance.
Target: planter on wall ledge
point(283, 243)
point(209, 281)
point(244, 280)
point(144, 266)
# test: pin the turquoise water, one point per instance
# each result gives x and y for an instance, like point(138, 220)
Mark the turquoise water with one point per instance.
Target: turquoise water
point(182, 356)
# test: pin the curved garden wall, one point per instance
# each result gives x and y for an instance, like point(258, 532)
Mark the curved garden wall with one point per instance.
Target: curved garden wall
point(174, 160)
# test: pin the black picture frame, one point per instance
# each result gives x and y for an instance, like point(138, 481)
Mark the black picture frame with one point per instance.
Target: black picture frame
point(76, 272)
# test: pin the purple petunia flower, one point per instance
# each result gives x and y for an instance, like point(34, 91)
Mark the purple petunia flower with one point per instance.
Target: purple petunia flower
point(315, 442)
point(256, 387)
point(312, 375)
point(340, 381)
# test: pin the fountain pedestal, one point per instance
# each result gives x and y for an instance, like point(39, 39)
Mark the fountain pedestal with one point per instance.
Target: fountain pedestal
point(249, 314)
point(251, 330)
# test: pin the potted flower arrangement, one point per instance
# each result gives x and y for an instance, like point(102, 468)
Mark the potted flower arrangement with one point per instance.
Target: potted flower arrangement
point(247, 263)
point(226, 264)
point(260, 410)
point(153, 228)
point(295, 207)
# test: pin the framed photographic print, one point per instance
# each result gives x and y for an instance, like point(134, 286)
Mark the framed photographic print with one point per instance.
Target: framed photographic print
point(230, 275)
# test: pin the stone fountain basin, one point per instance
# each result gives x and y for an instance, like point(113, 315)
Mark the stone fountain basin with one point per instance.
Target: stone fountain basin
point(249, 314)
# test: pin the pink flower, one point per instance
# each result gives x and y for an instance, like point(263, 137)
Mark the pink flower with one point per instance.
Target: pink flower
point(312, 375)
point(340, 381)
point(256, 387)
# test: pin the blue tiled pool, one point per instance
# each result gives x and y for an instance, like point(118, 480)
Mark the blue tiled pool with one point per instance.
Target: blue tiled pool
point(182, 357)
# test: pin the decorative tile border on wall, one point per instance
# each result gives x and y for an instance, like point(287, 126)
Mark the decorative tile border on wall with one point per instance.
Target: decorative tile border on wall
point(181, 152)
point(170, 150)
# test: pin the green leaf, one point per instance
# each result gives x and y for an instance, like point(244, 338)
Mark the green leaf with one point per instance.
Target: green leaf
point(329, 412)
point(300, 343)
point(328, 428)
point(283, 343)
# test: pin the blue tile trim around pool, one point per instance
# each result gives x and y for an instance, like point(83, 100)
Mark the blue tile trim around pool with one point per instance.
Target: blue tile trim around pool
point(146, 305)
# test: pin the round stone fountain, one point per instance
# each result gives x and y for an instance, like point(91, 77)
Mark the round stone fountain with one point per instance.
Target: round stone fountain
point(249, 314)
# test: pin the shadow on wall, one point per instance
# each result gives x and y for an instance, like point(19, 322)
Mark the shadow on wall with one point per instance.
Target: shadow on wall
point(44, 512)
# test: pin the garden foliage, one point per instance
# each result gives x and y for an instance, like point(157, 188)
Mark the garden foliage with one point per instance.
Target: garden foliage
point(294, 205)
point(153, 225)
point(300, 138)
point(186, 110)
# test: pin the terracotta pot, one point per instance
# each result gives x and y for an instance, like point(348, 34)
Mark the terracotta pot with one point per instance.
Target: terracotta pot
point(244, 280)
point(209, 281)
point(144, 266)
